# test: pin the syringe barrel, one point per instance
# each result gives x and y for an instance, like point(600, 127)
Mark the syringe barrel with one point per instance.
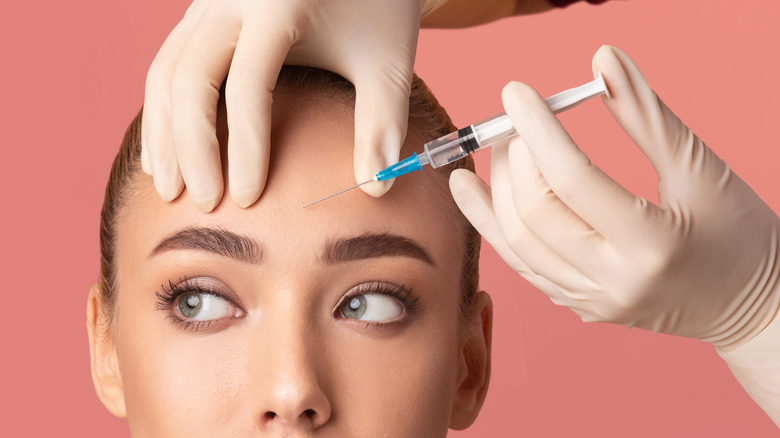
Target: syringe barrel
point(494, 130)
point(454, 146)
point(451, 147)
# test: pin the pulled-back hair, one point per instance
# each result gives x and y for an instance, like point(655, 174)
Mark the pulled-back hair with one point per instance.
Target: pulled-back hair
point(427, 120)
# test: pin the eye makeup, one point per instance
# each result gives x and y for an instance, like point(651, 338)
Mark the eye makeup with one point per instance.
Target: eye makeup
point(203, 304)
point(355, 297)
point(198, 304)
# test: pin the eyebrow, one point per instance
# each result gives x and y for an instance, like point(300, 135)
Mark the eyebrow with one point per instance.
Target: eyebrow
point(228, 244)
point(214, 240)
point(371, 245)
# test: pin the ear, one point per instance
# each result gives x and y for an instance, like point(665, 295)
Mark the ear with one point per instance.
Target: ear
point(474, 375)
point(102, 355)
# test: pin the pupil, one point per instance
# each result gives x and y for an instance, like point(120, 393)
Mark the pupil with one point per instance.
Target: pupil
point(354, 304)
point(189, 305)
point(193, 301)
point(354, 308)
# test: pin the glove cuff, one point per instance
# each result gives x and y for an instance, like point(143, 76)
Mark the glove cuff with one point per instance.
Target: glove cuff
point(756, 365)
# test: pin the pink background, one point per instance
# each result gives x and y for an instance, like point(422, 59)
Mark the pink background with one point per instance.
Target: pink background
point(73, 75)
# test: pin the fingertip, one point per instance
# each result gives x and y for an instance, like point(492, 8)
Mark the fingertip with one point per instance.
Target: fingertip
point(246, 195)
point(458, 181)
point(510, 91)
point(373, 156)
point(170, 189)
point(621, 74)
point(470, 192)
point(168, 180)
point(462, 182)
point(517, 95)
point(377, 188)
point(617, 53)
point(604, 52)
point(205, 191)
point(206, 202)
point(606, 62)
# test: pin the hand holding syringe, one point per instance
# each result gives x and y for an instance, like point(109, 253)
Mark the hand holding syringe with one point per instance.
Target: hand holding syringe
point(481, 135)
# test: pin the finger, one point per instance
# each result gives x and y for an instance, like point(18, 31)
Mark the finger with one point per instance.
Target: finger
point(635, 106)
point(261, 50)
point(523, 242)
point(160, 152)
point(548, 218)
point(474, 199)
point(195, 93)
point(156, 138)
point(381, 114)
point(380, 64)
point(672, 148)
point(584, 188)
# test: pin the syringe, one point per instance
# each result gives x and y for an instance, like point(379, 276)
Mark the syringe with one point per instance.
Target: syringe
point(481, 135)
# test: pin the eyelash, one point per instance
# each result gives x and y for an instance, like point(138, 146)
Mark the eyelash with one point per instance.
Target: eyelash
point(406, 297)
point(168, 294)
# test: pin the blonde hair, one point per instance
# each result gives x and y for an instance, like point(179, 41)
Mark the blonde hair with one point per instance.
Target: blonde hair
point(427, 120)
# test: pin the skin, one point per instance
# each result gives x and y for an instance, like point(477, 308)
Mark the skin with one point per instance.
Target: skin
point(286, 362)
point(251, 40)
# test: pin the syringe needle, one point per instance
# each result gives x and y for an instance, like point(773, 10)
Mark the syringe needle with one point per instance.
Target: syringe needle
point(480, 135)
point(338, 193)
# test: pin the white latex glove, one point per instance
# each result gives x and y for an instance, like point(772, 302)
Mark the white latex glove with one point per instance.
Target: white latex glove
point(370, 42)
point(704, 263)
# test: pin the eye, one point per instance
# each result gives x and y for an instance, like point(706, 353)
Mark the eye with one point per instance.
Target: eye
point(200, 306)
point(200, 303)
point(371, 308)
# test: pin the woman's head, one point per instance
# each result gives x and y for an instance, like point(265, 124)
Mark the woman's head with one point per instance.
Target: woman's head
point(357, 316)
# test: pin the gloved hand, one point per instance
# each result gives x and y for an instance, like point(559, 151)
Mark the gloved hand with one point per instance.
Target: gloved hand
point(704, 263)
point(370, 42)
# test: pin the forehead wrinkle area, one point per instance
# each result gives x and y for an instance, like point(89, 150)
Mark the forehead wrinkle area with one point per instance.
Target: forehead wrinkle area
point(214, 240)
point(371, 245)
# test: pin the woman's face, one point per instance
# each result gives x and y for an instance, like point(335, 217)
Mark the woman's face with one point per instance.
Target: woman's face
point(340, 319)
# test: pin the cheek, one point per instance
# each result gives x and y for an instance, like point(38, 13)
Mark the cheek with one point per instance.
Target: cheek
point(175, 385)
point(404, 386)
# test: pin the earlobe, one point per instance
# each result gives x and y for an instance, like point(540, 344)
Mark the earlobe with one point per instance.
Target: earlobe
point(102, 356)
point(475, 365)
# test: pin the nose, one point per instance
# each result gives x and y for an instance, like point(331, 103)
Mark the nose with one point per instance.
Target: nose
point(290, 373)
point(295, 411)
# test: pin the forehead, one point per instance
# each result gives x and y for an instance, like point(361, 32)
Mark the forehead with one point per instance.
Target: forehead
point(311, 157)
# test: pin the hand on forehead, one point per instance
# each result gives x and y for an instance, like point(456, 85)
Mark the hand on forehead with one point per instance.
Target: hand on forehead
point(311, 158)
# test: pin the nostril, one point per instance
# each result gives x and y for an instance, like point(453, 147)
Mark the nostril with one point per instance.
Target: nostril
point(309, 414)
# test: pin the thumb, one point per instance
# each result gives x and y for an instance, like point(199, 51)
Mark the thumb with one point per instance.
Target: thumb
point(672, 148)
point(381, 114)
